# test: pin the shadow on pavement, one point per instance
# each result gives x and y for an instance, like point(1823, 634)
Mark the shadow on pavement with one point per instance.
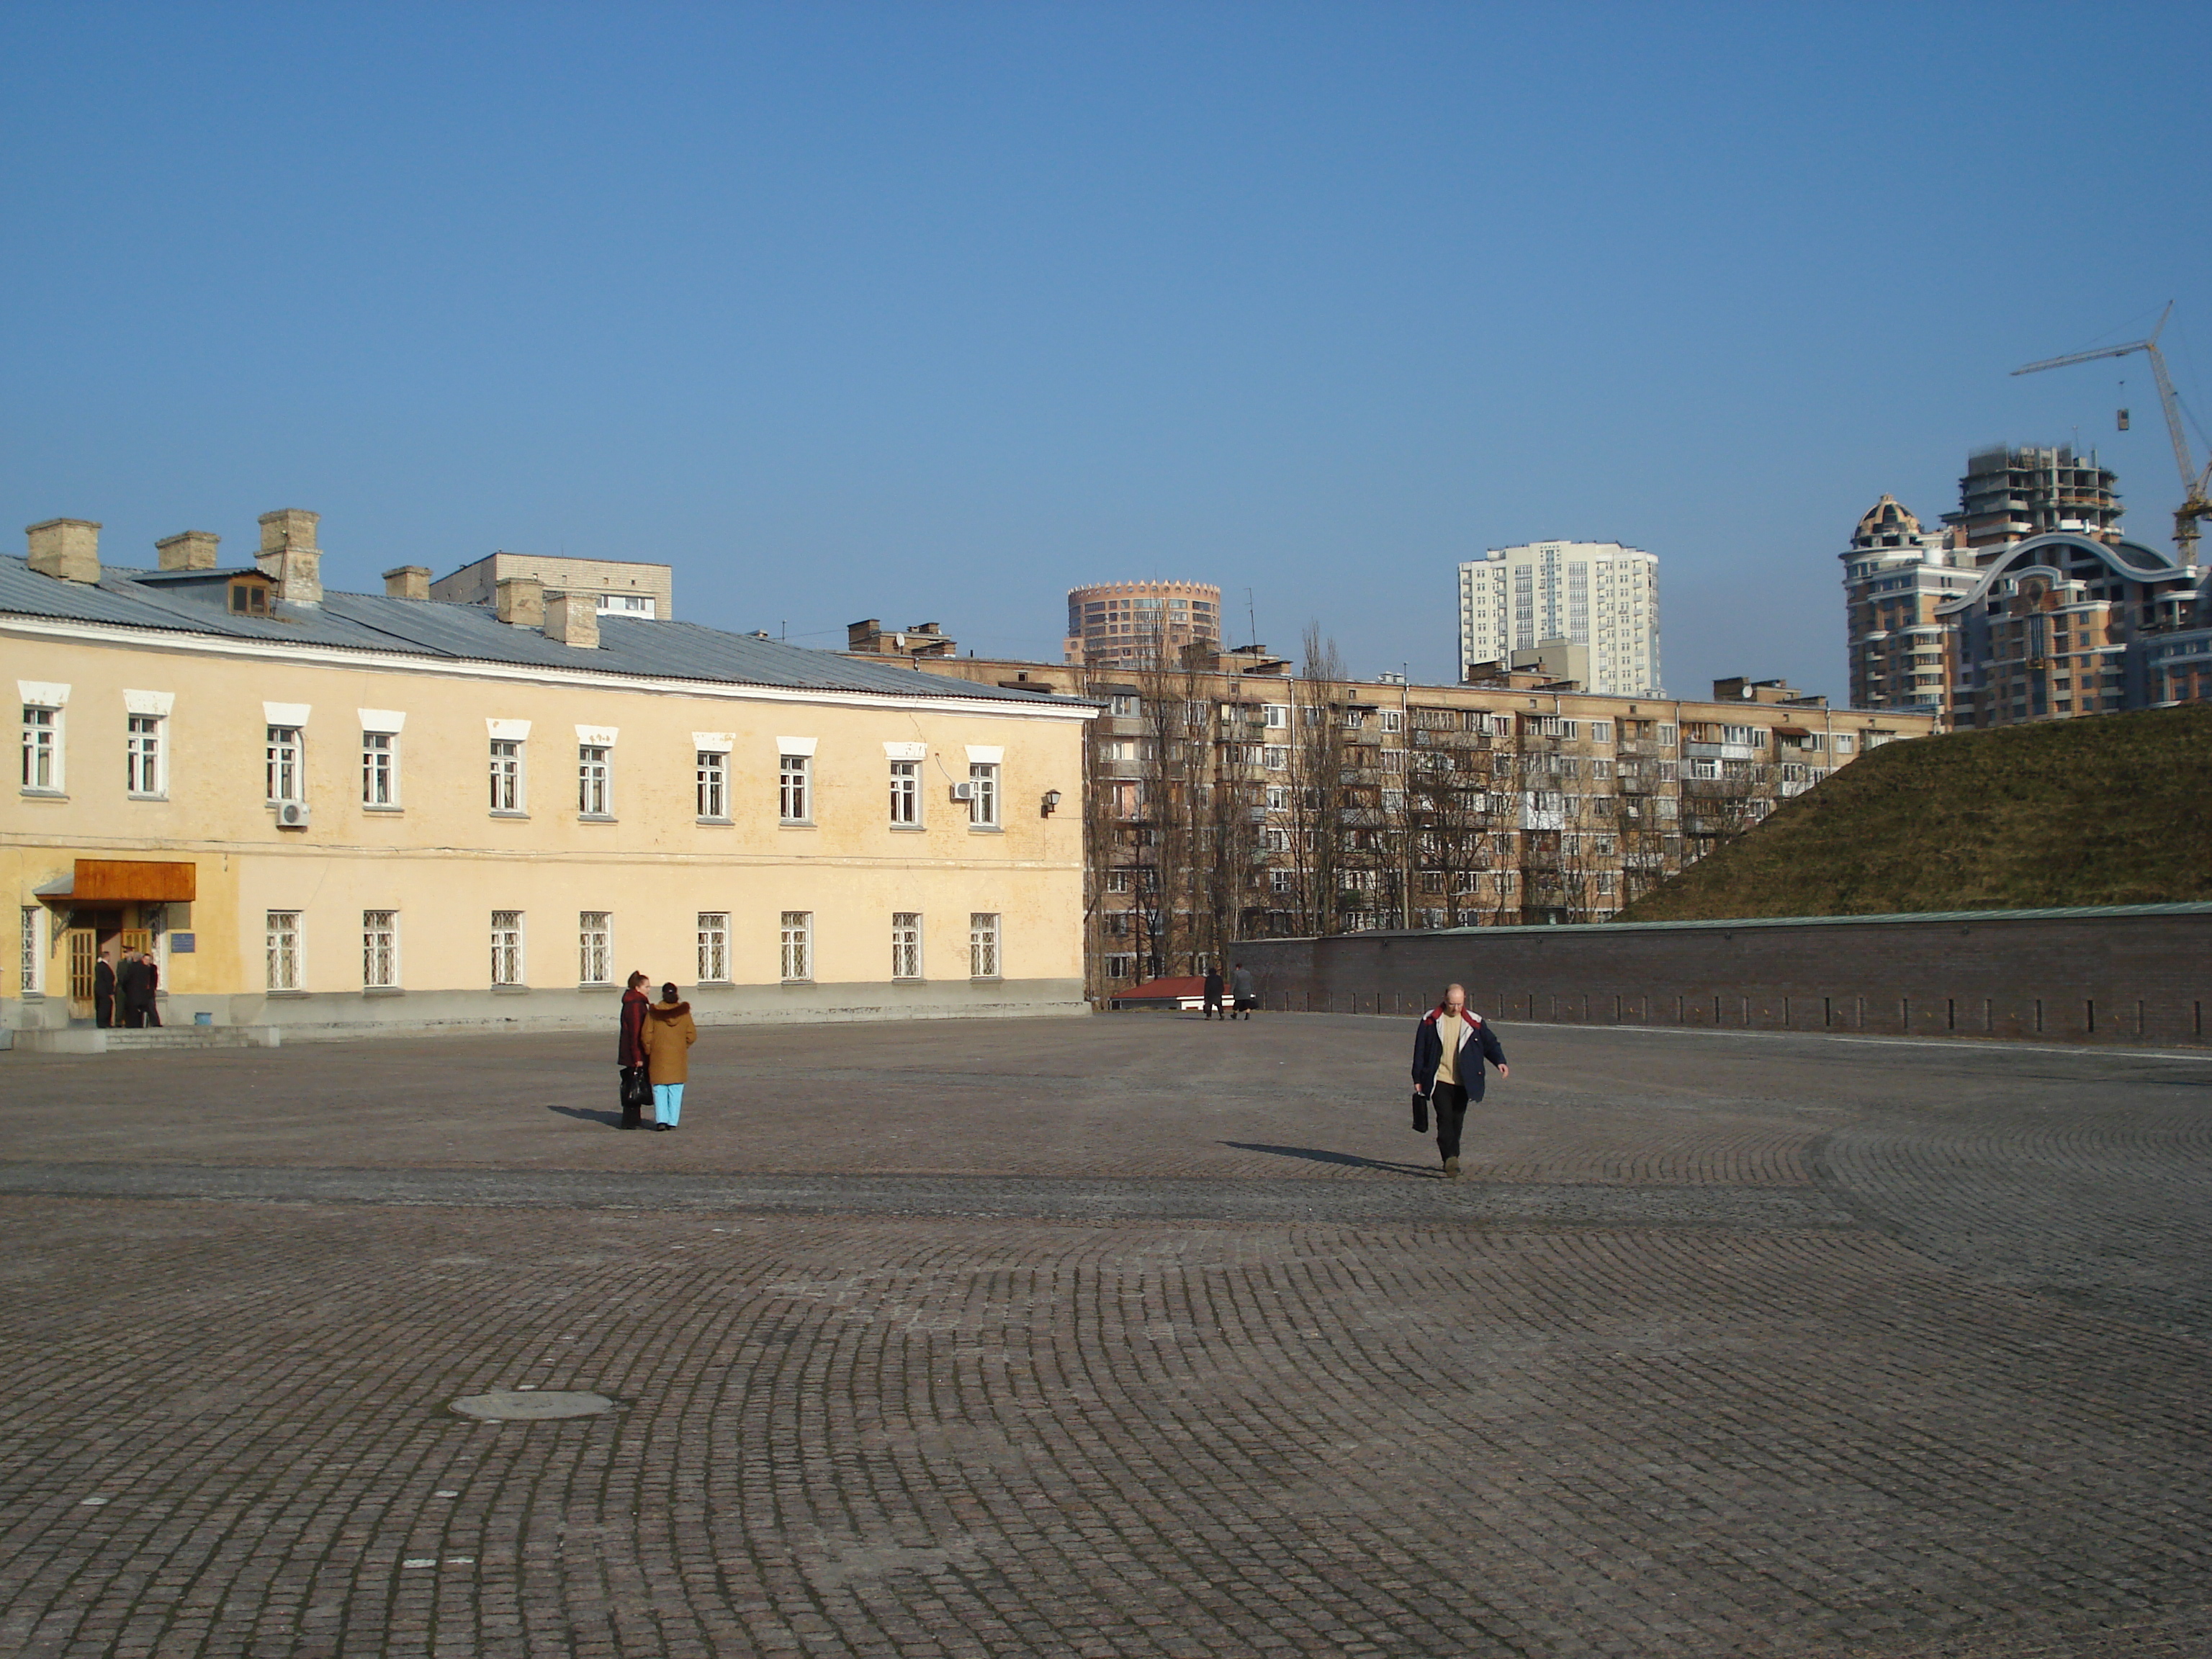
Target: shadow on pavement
point(1316, 1155)
point(587, 1116)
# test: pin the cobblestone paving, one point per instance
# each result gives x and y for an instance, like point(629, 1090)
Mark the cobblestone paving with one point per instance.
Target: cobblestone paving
point(1801, 1348)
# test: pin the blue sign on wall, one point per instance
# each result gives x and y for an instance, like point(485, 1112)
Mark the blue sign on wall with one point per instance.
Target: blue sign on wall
point(181, 945)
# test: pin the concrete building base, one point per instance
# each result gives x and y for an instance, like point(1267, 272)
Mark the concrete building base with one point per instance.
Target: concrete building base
point(309, 1016)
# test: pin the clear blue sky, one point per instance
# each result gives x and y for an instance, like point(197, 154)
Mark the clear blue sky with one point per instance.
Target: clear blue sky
point(930, 312)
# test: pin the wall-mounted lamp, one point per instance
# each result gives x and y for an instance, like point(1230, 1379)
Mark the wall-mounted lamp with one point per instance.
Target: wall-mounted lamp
point(1051, 800)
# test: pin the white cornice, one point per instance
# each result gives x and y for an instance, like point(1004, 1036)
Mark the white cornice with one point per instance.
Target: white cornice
point(322, 656)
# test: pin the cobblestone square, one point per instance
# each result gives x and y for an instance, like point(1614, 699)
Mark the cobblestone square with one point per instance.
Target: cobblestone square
point(1129, 1335)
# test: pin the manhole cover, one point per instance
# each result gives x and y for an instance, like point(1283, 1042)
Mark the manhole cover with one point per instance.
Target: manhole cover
point(508, 1405)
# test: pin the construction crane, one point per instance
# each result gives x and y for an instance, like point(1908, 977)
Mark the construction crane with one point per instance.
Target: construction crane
point(2194, 503)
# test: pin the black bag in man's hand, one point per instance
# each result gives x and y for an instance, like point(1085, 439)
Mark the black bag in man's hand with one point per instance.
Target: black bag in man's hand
point(1420, 1114)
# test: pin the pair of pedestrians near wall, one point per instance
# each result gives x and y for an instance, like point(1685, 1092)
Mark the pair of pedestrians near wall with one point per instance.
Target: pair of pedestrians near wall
point(1240, 989)
point(654, 1055)
point(1451, 1046)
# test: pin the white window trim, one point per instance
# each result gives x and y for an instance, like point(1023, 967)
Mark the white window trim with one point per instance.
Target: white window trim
point(57, 779)
point(605, 812)
point(391, 751)
point(396, 981)
point(299, 950)
point(803, 927)
point(997, 934)
point(914, 796)
point(994, 777)
point(920, 934)
point(388, 721)
point(700, 932)
point(607, 975)
point(520, 809)
point(160, 790)
point(721, 784)
point(804, 774)
point(299, 760)
point(507, 731)
point(33, 951)
point(521, 979)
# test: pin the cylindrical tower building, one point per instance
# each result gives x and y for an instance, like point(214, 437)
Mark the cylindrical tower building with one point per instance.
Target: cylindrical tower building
point(1132, 622)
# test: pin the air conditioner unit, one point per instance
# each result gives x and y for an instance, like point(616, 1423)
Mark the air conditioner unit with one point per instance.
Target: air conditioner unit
point(964, 791)
point(292, 815)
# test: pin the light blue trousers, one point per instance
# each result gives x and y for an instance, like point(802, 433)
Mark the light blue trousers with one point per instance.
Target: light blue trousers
point(668, 1102)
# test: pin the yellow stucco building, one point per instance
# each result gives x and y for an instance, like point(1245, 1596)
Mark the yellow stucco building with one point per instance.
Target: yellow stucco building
point(330, 813)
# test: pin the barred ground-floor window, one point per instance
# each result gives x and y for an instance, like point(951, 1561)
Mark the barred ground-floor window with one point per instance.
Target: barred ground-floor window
point(35, 956)
point(506, 947)
point(983, 945)
point(713, 947)
point(798, 946)
point(285, 951)
point(595, 946)
point(906, 944)
point(379, 950)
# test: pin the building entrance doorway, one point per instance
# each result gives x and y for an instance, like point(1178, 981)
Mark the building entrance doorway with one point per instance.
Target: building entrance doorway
point(89, 933)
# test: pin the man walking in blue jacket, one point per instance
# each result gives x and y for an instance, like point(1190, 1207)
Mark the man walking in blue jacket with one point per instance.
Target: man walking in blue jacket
point(1446, 1074)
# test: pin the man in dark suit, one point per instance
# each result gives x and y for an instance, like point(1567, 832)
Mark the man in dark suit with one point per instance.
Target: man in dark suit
point(129, 991)
point(103, 988)
point(147, 1010)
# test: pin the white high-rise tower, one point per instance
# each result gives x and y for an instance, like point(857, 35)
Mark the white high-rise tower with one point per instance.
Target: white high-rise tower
point(1597, 594)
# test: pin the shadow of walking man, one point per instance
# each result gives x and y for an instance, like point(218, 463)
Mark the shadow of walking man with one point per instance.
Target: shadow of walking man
point(1318, 1154)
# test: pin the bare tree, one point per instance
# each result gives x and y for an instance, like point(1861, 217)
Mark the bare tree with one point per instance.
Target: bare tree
point(1447, 796)
point(1318, 786)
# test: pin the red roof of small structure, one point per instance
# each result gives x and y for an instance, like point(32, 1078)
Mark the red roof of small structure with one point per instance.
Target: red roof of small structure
point(1160, 990)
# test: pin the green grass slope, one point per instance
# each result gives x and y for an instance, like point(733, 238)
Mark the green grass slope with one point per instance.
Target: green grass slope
point(2111, 809)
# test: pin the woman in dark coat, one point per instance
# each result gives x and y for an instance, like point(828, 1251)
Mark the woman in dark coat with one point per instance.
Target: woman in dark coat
point(629, 1053)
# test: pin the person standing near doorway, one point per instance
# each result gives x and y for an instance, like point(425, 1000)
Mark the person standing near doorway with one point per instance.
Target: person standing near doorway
point(130, 979)
point(629, 1053)
point(147, 1010)
point(103, 988)
point(1446, 1074)
point(669, 1035)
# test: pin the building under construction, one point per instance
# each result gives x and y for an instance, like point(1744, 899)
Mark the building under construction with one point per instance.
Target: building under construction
point(2009, 495)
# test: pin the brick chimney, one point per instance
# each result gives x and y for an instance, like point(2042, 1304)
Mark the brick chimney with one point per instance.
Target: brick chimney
point(407, 581)
point(521, 601)
point(65, 548)
point(289, 554)
point(192, 550)
point(573, 619)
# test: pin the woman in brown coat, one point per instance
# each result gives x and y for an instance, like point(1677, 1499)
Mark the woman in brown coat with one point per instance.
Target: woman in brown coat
point(667, 1039)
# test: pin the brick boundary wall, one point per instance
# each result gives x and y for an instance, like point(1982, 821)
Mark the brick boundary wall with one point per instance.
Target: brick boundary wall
point(2123, 974)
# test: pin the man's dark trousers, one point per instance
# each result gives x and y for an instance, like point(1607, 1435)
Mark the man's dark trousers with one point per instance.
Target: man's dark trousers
point(1450, 1102)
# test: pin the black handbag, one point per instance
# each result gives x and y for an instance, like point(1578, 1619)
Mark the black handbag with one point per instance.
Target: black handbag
point(1420, 1115)
point(636, 1091)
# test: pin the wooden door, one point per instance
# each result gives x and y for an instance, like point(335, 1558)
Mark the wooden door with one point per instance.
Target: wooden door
point(83, 952)
point(134, 939)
